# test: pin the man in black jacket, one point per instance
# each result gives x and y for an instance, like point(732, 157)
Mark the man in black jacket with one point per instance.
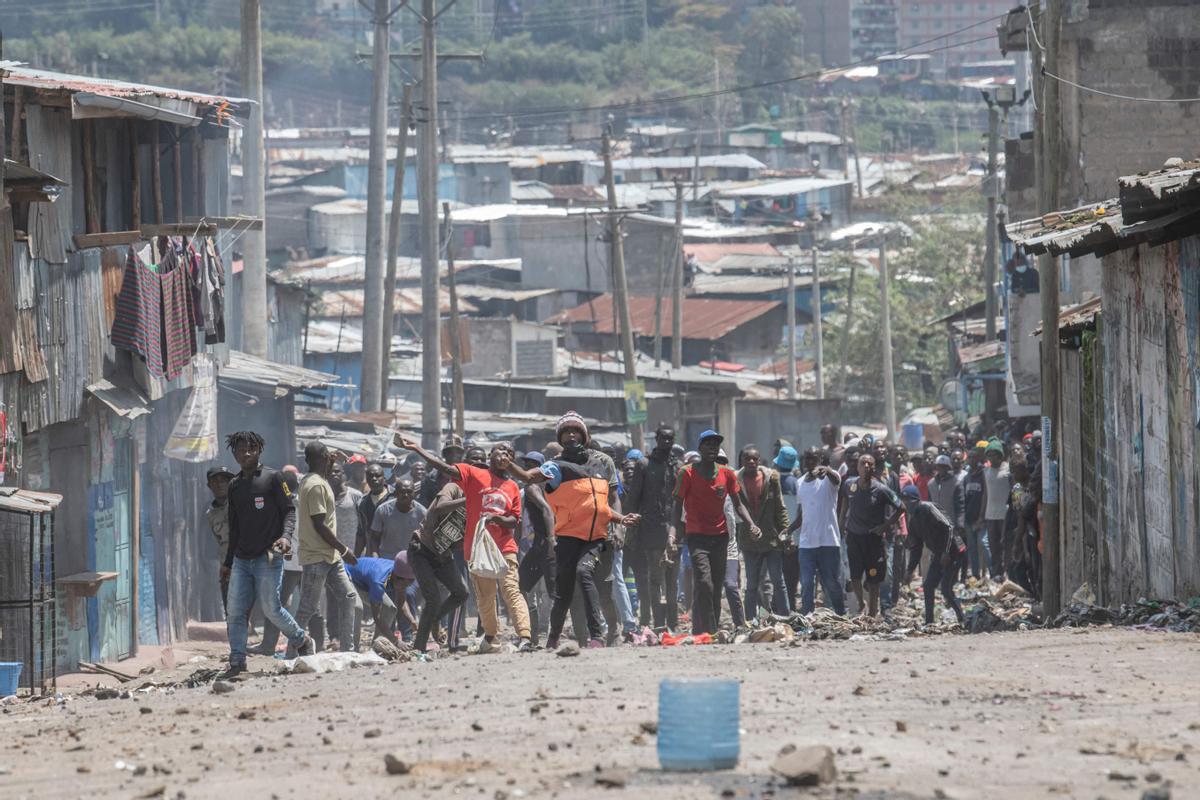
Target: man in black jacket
point(649, 492)
point(262, 519)
point(928, 527)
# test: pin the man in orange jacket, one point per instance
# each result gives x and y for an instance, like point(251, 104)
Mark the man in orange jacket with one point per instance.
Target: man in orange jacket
point(580, 501)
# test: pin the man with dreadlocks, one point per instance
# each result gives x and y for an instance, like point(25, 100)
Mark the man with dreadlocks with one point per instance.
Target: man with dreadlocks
point(262, 519)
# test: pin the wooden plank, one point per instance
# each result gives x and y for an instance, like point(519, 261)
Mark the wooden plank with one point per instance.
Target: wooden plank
point(1184, 308)
point(1071, 470)
point(156, 172)
point(90, 201)
point(135, 165)
point(198, 169)
point(110, 239)
point(1156, 455)
point(18, 114)
point(177, 153)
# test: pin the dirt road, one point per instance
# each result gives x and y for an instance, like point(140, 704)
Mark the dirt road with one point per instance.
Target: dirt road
point(1085, 714)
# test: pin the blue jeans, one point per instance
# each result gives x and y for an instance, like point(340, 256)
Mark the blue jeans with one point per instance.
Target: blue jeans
point(887, 592)
point(765, 584)
point(621, 594)
point(827, 563)
point(979, 553)
point(257, 578)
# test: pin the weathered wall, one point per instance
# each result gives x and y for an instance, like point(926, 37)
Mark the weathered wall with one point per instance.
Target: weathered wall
point(1144, 48)
point(1131, 476)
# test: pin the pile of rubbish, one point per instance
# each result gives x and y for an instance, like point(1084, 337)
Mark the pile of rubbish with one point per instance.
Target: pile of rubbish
point(1164, 615)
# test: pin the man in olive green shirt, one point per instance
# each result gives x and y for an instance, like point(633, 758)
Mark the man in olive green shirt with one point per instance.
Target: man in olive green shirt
point(321, 554)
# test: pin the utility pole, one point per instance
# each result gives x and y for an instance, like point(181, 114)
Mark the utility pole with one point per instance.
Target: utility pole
point(677, 282)
point(1048, 136)
point(393, 244)
point(620, 287)
point(889, 378)
point(696, 172)
point(848, 110)
point(431, 342)
point(456, 376)
point(844, 356)
point(818, 335)
point(374, 358)
point(254, 253)
point(992, 247)
point(791, 328)
point(954, 122)
point(676, 259)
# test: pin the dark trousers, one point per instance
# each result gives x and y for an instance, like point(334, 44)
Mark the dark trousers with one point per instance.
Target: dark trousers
point(791, 575)
point(650, 575)
point(708, 556)
point(577, 560)
point(899, 568)
point(225, 596)
point(765, 584)
point(431, 571)
point(940, 577)
point(537, 565)
point(671, 589)
point(733, 590)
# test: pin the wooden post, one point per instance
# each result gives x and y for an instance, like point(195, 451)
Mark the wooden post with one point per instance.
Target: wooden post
point(791, 328)
point(18, 111)
point(818, 326)
point(885, 309)
point(456, 376)
point(177, 146)
point(90, 203)
point(198, 172)
point(393, 244)
point(844, 356)
point(1048, 140)
point(431, 345)
point(620, 287)
point(135, 204)
point(677, 282)
point(156, 173)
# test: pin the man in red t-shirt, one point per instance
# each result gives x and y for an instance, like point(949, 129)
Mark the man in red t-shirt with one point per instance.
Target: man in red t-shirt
point(700, 495)
point(494, 497)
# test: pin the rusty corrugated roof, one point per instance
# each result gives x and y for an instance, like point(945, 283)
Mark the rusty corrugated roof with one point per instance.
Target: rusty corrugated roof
point(18, 74)
point(702, 319)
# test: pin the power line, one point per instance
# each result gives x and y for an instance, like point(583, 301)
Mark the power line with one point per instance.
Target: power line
point(733, 90)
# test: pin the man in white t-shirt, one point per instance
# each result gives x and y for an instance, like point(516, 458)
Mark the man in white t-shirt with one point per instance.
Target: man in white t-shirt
point(819, 540)
point(995, 508)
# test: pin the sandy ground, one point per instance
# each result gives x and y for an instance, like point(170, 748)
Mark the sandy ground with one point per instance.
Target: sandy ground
point(1097, 713)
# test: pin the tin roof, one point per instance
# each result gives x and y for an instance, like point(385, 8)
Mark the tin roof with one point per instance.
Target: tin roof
point(17, 74)
point(784, 188)
point(281, 378)
point(706, 320)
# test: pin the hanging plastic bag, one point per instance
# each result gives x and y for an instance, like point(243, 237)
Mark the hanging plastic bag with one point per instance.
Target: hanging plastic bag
point(486, 559)
point(194, 437)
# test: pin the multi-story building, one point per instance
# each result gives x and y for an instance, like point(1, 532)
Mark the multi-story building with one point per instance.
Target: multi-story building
point(961, 32)
point(874, 28)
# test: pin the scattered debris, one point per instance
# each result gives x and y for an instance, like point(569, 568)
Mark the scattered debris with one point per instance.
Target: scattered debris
point(567, 649)
point(395, 765)
point(611, 779)
point(649, 726)
point(806, 766)
point(221, 687)
point(981, 619)
point(388, 650)
point(372, 733)
point(1159, 614)
point(329, 662)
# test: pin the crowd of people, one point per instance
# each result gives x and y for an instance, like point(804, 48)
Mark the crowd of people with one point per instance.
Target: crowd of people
point(651, 551)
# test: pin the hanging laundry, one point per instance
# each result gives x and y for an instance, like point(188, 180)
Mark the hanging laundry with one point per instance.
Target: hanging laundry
point(212, 296)
point(138, 323)
point(178, 324)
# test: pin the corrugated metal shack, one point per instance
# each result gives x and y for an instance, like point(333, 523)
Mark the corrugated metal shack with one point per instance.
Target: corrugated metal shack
point(1130, 430)
point(98, 167)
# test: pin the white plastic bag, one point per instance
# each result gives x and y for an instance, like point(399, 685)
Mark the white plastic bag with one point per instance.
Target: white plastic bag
point(486, 559)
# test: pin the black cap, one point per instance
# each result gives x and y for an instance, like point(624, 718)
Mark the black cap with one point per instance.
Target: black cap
point(219, 470)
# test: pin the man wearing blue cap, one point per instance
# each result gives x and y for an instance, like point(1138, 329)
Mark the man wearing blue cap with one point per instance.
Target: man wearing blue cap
point(700, 493)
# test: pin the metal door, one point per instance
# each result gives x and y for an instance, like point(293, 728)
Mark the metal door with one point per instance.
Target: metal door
point(122, 634)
